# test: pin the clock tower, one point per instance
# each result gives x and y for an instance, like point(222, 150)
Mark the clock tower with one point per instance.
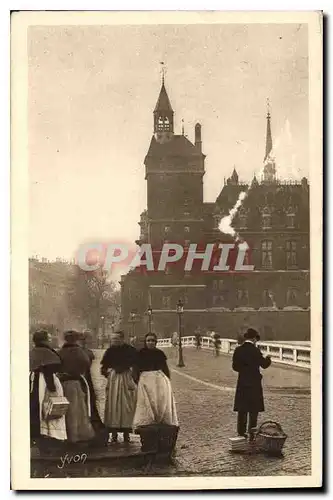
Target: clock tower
point(174, 175)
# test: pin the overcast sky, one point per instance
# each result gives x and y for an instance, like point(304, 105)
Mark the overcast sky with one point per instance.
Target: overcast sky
point(92, 91)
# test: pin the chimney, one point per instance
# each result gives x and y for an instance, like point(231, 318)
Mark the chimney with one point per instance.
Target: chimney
point(198, 142)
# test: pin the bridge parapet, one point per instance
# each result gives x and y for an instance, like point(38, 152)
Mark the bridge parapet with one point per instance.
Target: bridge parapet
point(287, 354)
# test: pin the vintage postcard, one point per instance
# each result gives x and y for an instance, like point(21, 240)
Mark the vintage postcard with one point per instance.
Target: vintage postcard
point(166, 250)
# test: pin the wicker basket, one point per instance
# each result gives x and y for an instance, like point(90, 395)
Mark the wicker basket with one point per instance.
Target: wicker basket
point(270, 437)
point(158, 438)
point(55, 407)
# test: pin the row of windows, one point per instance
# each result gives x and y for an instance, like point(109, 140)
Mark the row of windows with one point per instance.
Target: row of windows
point(267, 254)
point(243, 298)
point(266, 221)
point(242, 295)
point(167, 229)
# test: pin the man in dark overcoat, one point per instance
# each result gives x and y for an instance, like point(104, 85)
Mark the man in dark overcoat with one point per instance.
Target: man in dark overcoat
point(247, 361)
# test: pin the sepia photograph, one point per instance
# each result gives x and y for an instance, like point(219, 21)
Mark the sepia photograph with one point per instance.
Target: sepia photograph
point(166, 244)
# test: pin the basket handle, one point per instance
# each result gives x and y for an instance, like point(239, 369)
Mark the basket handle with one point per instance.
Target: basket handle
point(271, 422)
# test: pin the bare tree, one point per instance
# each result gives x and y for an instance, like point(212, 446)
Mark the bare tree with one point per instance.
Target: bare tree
point(93, 296)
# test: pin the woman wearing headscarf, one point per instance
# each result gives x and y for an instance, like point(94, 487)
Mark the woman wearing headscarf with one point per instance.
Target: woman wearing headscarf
point(75, 364)
point(44, 364)
point(155, 400)
point(117, 365)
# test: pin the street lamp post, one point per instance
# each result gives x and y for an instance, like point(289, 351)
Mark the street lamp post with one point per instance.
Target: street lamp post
point(180, 310)
point(133, 315)
point(103, 330)
point(149, 312)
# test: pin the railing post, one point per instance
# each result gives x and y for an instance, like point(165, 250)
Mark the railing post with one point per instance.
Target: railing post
point(295, 355)
point(281, 353)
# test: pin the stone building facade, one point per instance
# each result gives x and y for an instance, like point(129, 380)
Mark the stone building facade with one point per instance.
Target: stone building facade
point(273, 220)
point(49, 282)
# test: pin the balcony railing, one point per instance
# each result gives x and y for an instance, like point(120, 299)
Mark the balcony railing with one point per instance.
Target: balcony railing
point(288, 354)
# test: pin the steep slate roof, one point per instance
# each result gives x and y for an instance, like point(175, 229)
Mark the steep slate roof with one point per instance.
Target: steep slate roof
point(163, 102)
point(178, 145)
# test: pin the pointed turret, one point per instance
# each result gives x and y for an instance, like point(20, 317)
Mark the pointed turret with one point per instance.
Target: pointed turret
point(269, 174)
point(254, 181)
point(163, 116)
point(269, 142)
point(234, 176)
point(163, 101)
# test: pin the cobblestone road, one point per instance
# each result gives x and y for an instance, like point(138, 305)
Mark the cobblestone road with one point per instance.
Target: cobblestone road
point(207, 421)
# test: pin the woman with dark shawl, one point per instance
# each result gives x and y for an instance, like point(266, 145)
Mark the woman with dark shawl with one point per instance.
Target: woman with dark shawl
point(75, 364)
point(117, 364)
point(44, 364)
point(155, 401)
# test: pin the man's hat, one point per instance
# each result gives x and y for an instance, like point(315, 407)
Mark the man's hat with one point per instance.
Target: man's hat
point(251, 334)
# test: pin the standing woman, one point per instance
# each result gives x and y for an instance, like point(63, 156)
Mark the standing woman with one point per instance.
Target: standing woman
point(117, 364)
point(44, 364)
point(155, 401)
point(75, 364)
point(101, 434)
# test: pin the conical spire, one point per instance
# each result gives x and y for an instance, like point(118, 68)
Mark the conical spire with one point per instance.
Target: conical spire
point(234, 176)
point(163, 102)
point(163, 116)
point(269, 142)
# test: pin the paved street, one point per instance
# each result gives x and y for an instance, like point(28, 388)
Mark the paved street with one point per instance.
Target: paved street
point(207, 420)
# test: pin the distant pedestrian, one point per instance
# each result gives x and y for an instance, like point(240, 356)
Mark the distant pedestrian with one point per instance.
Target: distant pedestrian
point(132, 341)
point(174, 339)
point(247, 361)
point(240, 339)
point(217, 343)
point(198, 340)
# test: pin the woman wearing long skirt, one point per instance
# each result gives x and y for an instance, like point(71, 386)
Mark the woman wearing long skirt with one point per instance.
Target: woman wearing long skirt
point(44, 364)
point(117, 364)
point(102, 436)
point(155, 400)
point(75, 364)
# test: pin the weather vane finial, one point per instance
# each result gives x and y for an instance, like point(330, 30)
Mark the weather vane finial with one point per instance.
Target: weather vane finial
point(268, 107)
point(162, 71)
point(182, 126)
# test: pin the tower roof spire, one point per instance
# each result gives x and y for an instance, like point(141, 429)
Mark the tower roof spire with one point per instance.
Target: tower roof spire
point(269, 142)
point(163, 102)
